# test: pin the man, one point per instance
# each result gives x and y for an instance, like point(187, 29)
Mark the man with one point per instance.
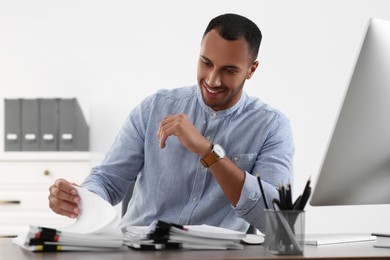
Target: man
point(173, 144)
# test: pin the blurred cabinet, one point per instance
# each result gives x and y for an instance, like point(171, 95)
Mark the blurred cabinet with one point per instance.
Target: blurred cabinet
point(25, 179)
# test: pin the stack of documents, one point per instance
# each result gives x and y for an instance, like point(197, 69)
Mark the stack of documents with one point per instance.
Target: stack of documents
point(161, 235)
point(49, 240)
point(95, 229)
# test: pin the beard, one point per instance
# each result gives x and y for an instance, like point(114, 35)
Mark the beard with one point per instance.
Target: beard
point(228, 99)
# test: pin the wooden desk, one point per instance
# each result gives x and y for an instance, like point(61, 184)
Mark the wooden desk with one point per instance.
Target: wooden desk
point(361, 250)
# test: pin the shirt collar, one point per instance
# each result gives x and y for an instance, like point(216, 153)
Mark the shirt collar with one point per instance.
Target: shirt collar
point(221, 113)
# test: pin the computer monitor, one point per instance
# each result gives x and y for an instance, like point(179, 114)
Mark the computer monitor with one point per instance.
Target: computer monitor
point(356, 166)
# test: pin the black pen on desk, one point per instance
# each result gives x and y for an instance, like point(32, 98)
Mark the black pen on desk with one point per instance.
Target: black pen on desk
point(380, 234)
point(262, 191)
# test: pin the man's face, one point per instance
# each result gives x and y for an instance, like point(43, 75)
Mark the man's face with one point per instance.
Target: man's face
point(223, 67)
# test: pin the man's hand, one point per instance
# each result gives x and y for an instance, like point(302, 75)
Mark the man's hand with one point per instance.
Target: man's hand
point(180, 126)
point(63, 198)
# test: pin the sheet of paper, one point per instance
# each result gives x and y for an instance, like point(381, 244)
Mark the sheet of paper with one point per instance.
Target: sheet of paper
point(96, 215)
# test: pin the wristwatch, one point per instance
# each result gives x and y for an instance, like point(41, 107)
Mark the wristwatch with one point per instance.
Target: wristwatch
point(216, 153)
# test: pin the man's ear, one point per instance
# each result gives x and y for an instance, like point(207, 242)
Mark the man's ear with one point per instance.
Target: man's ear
point(252, 69)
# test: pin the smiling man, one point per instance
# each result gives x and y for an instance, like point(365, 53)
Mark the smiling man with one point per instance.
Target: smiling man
point(194, 152)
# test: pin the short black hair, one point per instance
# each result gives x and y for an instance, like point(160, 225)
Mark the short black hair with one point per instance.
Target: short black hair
point(233, 27)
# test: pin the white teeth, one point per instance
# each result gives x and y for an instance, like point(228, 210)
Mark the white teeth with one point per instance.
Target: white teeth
point(214, 91)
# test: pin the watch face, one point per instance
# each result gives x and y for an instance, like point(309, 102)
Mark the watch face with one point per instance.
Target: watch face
point(219, 150)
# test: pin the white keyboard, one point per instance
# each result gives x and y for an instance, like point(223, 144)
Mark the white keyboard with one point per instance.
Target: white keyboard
point(328, 239)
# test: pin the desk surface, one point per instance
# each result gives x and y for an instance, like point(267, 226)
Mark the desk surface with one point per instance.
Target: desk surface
point(360, 250)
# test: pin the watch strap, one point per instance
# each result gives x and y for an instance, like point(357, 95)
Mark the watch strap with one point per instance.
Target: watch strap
point(209, 159)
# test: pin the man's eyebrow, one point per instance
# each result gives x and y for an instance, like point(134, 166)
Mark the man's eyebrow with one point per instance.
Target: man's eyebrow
point(205, 58)
point(232, 67)
point(225, 66)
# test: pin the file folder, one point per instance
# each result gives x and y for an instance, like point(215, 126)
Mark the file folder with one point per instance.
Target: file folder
point(12, 124)
point(73, 128)
point(30, 123)
point(48, 110)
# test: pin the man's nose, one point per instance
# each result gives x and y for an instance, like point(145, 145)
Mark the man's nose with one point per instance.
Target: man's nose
point(214, 79)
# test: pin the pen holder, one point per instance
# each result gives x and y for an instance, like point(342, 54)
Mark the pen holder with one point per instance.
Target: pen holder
point(285, 232)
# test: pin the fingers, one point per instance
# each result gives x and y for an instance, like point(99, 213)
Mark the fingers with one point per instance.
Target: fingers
point(180, 126)
point(63, 198)
point(170, 125)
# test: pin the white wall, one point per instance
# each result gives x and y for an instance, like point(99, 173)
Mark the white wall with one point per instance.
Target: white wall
point(111, 54)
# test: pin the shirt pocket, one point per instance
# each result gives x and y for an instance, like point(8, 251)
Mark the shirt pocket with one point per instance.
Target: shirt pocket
point(245, 162)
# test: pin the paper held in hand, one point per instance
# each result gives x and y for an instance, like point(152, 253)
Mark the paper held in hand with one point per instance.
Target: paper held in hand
point(95, 229)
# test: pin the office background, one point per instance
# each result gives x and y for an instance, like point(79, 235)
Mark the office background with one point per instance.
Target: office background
point(112, 54)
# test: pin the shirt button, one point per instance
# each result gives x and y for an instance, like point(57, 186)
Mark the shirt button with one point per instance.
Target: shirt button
point(208, 138)
point(235, 158)
point(213, 114)
point(194, 199)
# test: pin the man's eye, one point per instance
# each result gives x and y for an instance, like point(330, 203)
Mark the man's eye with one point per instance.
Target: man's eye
point(230, 71)
point(205, 62)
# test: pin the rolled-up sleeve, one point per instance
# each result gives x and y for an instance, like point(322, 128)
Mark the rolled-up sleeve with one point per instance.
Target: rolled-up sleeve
point(275, 166)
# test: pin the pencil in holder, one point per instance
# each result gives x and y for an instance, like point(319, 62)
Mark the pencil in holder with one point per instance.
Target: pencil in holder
point(285, 232)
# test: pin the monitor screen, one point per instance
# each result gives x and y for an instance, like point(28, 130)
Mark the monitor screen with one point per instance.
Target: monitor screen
point(356, 167)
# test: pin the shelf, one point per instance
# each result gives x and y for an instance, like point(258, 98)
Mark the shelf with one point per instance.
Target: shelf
point(44, 156)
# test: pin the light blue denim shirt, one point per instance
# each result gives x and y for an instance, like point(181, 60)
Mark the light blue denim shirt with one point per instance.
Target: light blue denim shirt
point(172, 185)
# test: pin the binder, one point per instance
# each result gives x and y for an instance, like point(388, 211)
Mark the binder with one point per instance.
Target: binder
point(73, 128)
point(48, 110)
point(12, 124)
point(30, 123)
